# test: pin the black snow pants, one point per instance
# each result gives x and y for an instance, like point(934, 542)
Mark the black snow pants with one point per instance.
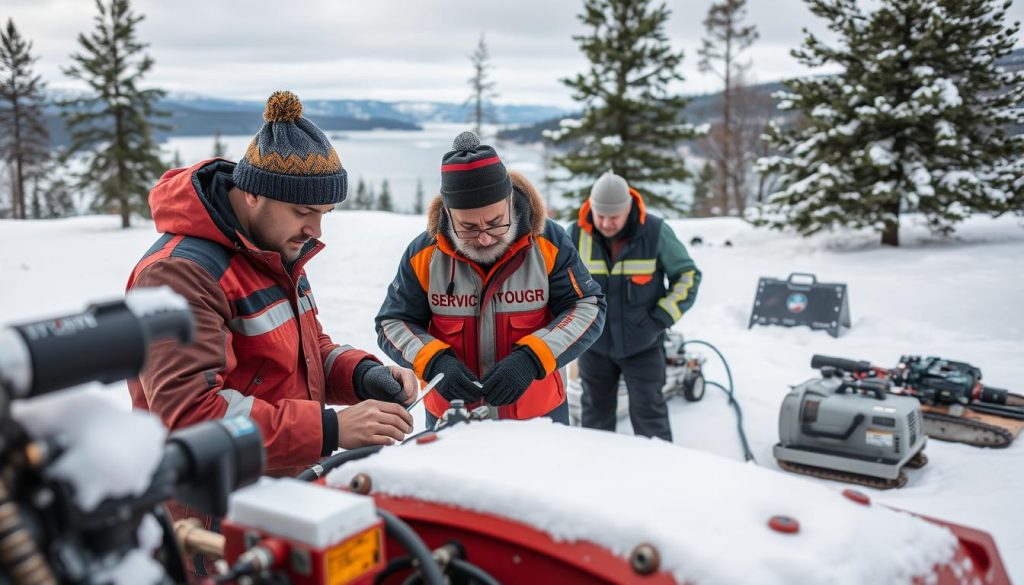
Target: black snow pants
point(645, 376)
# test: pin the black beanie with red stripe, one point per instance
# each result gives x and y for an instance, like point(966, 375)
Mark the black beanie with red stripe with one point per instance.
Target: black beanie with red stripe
point(472, 175)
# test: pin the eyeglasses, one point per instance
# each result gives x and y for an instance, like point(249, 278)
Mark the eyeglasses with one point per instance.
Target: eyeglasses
point(494, 230)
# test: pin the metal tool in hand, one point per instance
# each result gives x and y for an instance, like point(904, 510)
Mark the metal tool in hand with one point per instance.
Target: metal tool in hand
point(426, 390)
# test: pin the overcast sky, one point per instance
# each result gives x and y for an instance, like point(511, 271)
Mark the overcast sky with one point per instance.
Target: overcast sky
point(387, 49)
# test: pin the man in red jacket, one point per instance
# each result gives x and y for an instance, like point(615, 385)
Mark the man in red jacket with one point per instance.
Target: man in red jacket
point(235, 240)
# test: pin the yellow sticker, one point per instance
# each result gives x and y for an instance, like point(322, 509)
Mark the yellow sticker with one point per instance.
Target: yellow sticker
point(353, 558)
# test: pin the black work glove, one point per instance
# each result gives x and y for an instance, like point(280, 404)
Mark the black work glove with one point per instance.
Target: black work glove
point(374, 381)
point(511, 376)
point(458, 382)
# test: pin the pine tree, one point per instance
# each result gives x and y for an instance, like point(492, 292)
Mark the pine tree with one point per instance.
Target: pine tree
point(704, 199)
point(113, 127)
point(417, 206)
point(24, 140)
point(384, 201)
point(719, 54)
point(51, 194)
point(482, 87)
point(916, 121)
point(632, 121)
point(219, 148)
point(176, 162)
point(363, 198)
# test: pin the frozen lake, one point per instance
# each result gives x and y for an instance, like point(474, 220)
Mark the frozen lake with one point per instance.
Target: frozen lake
point(402, 157)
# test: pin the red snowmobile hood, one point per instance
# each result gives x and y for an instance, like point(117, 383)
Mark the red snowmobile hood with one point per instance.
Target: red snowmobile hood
point(180, 205)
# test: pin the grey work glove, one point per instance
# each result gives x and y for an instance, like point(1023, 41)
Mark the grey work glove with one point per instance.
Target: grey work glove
point(374, 381)
point(458, 383)
point(511, 377)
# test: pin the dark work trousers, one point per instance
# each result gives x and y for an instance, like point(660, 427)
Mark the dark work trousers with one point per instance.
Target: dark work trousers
point(559, 414)
point(645, 376)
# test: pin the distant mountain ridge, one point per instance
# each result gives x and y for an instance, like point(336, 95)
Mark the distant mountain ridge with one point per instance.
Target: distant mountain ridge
point(200, 115)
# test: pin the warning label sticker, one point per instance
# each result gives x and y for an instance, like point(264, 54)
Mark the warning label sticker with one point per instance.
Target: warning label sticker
point(878, 438)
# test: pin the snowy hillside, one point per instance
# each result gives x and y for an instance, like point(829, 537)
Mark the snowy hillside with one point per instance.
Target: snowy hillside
point(958, 298)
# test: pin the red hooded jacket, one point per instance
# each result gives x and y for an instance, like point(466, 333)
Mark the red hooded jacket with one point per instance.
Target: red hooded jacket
point(259, 348)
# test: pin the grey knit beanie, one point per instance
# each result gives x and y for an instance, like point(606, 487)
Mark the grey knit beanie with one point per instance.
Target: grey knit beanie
point(290, 159)
point(610, 194)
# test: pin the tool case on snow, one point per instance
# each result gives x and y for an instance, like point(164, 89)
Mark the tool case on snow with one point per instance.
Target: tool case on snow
point(801, 300)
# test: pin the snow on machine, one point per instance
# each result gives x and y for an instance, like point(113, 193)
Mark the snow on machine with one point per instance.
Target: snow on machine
point(538, 502)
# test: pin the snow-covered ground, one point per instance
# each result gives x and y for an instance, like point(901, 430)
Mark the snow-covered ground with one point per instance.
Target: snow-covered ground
point(958, 298)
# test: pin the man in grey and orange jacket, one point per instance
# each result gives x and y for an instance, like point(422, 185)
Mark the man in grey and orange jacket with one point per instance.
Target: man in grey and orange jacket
point(493, 294)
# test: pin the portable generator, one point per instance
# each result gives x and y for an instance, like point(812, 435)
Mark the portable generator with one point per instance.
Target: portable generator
point(850, 430)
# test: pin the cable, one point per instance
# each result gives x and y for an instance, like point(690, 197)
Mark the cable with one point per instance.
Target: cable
point(394, 565)
point(473, 572)
point(317, 471)
point(406, 537)
point(173, 560)
point(730, 392)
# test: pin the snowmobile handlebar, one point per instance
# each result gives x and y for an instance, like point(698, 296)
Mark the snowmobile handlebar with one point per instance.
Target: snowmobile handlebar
point(107, 342)
point(823, 361)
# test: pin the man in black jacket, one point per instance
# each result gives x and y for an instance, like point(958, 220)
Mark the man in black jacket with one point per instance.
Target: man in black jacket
point(649, 282)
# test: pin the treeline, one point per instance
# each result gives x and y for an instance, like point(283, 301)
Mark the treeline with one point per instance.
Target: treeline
point(921, 117)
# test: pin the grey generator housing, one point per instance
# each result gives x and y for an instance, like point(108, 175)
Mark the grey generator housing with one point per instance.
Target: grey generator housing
point(841, 425)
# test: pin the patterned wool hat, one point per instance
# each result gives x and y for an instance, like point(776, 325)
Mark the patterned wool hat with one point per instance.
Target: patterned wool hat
point(472, 175)
point(290, 159)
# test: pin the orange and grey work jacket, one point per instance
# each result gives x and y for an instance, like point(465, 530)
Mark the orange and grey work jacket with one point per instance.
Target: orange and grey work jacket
point(538, 295)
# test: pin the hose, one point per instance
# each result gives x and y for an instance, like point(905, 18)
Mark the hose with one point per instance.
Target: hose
point(405, 536)
point(731, 393)
point(318, 470)
point(393, 566)
point(472, 571)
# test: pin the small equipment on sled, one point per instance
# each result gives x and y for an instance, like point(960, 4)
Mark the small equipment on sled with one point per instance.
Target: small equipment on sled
point(956, 405)
point(684, 376)
point(839, 428)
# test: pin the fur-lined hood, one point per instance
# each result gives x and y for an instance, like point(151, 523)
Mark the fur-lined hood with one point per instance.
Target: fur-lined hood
point(436, 219)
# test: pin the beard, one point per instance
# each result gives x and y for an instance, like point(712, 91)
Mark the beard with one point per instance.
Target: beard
point(488, 254)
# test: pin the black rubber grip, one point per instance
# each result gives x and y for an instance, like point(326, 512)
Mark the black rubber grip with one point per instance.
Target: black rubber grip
point(824, 361)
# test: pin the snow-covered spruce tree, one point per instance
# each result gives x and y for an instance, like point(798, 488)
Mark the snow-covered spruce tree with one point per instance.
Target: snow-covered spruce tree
point(631, 121)
point(113, 127)
point(916, 121)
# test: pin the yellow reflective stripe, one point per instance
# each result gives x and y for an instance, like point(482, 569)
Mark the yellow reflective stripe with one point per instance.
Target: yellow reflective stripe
point(680, 292)
point(671, 309)
point(630, 267)
point(586, 254)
